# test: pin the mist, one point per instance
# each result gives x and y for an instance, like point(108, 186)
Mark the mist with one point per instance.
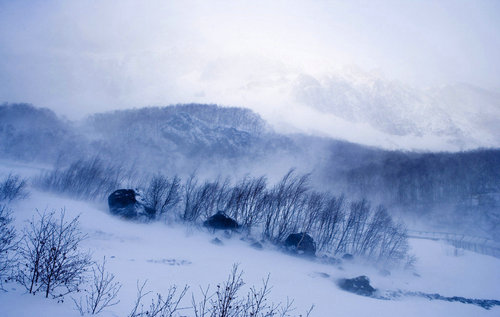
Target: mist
point(249, 158)
point(79, 58)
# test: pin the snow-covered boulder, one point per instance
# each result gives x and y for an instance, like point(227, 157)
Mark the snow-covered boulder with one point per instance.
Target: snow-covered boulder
point(359, 285)
point(348, 257)
point(128, 204)
point(221, 221)
point(301, 243)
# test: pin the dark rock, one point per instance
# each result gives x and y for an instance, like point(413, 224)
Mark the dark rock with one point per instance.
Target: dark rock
point(347, 257)
point(359, 285)
point(221, 221)
point(257, 245)
point(301, 243)
point(122, 202)
point(128, 204)
point(484, 303)
point(217, 241)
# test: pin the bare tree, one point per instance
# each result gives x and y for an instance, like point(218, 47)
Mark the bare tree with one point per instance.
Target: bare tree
point(359, 213)
point(83, 179)
point(290, 206)
point(33, 250)
point(163, 193)
point(201, 308)
point(7, 243)
point(312, 211)
point(227, 302)
point(257, 302)
point(160, 306)
point(370, 240)
point(13, 187)
point(50, 256)
point(246, 201)
point(329, 221)
point(205, 199)
point(102, 294)
point(191, 210)
point(393, 244)
point(285, 202)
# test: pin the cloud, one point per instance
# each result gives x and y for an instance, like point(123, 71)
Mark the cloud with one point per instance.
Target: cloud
point(79, 57)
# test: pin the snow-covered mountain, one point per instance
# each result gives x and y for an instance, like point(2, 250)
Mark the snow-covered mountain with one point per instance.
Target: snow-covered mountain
point(175, 139)
point(456, 117)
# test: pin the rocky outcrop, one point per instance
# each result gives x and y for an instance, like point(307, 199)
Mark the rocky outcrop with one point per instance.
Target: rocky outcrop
point(221, 221)
point(301, 243)
point(128, 204)
point(359, 285)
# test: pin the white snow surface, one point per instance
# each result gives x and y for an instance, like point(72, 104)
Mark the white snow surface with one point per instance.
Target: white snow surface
point(174, 254)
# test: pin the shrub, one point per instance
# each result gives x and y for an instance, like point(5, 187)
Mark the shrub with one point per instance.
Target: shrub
point(284, 207)
point(160, 306)
point(227, 300)
point(83, 179)
point(246, 201)
point(163, 194)
point(50, 258)
point(205, 199)
point(101, 294)
point(7, 243)
point(291, 206)
point(13, 187)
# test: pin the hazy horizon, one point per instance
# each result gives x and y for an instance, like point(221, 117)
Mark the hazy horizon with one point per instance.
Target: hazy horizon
point(78, 58)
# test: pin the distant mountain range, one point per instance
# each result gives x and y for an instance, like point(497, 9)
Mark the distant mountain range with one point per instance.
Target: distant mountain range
point(174, 139)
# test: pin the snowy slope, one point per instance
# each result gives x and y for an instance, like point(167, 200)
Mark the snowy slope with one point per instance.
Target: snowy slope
point(452, 117)
point(173, 254)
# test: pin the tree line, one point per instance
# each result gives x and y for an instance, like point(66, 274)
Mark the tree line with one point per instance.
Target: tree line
point(272, 211)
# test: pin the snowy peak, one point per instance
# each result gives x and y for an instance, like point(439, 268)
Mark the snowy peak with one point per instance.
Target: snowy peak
point(461, 116)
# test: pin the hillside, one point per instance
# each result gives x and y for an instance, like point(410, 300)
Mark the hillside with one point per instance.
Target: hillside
point(167, 255)
point(219, 141)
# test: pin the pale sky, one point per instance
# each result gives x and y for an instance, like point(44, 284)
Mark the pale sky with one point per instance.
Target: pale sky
point(80, 57)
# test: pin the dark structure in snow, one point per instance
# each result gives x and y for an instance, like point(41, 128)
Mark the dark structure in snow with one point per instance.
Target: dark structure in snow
point(347, 257)
point(221, 221)
point(257, 245)
point(301, 243)
point(217, 241)
point(359, 285)
point(125, 203)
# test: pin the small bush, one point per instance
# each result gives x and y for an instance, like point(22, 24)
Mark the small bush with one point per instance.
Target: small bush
point(163, 194)
point(84, 179)
point(101, 294)
point(13, 187)
point(227, 300)
point(160, 306)
point(7, 243)
point(204, 199)
point(50, 258)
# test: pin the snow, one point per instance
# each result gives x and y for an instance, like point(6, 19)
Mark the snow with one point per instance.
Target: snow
point(168, 254)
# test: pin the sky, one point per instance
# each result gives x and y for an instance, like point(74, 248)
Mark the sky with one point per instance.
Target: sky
point(81, 57)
